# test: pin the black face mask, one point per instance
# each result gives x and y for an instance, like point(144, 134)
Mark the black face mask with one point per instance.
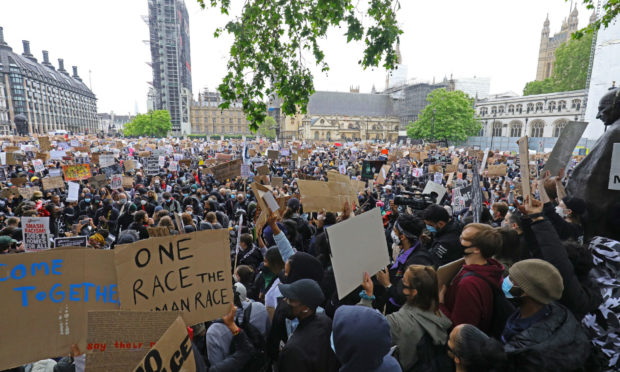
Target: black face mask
point(287, 310)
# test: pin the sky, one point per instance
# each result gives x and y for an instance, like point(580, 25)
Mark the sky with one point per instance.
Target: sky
point(498, 39)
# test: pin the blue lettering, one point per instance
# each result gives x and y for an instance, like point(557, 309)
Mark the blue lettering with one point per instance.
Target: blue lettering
point(112, 294)
point(101, 294)
point(53, 292)
point(7, 277)
point(56, 264)
point(73, 294)
point(21, 268)
point(40, 266)
point(87, 287)
point(25, 293)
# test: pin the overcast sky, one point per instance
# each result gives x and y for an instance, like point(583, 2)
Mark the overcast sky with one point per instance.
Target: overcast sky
point(486, 38)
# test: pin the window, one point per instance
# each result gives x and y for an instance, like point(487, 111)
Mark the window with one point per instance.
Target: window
point(511, 109)
point(561, 106)
point(539, 106)
point(538, 127)
point(530, 107)
point(520, 108)
point(497, 129)
point(551, 105)
point(559, 125)
point(494, 110)
point(515, 129)
point(484, 111)
point(576, 104)
point(481, 134)
point(316, 135)
point(501, 109)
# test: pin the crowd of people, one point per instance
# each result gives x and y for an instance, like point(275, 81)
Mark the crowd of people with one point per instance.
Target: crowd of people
point(521, 298)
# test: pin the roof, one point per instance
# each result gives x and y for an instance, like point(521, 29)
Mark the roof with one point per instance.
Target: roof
point(40, 72)
point(350, 104)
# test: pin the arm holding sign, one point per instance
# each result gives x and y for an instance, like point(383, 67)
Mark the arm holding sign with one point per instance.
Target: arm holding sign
point(284, 246)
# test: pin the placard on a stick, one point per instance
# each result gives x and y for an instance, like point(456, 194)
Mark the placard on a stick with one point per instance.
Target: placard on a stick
point(524, 161)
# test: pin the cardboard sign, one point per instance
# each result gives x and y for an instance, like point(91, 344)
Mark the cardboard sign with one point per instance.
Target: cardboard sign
point(38, 165)
point(383, 174)
point(8, 191)
point(45, 144)
point(614, 169)
point(106, 160)
point(19, 181)
point(36, 233)
point(277, 182)
point(523, 168)
point(14, 158)
point(173, 351)
point(74, 192)
point(564, 146)
point(98, 181)
point(50, 183)
point(273, 154)
point(116, 182)
point(117, 342)
point(497, 170)
point(358, 245)
point(435, 168)
point(71, 241)
point(127, 182)
point(225, 171)
point(48, 294)
point(446, 272)
point(436, 188)
point(129, 164)
point(76, 172)
point(27, 192)
point(331, 196)
point(263, 170)
point(451, 168)
point(189, 273)
point(55, 172)
point(158, 231)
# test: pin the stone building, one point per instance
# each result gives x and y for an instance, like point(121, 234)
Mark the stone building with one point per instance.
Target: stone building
point(540, 115)
point(548, 45)
point(342, 116)
point(208, 119)
point(49, 98)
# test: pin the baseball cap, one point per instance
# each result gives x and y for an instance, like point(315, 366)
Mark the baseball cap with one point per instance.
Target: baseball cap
point(6, 241)
point(306, 291)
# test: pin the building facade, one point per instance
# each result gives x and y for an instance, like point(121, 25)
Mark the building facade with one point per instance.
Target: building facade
point(168, 22)
point(409, 99)
point(548, 44)
point(341, 116)
point(49, 98)
point(208, 119)
point(540, 115)
point(112, 123)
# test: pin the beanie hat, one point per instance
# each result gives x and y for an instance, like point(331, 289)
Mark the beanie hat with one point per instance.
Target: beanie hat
point(539, 279)
point(577, 205)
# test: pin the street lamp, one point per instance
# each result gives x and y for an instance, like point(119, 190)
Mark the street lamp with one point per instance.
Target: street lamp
point(525, 130)
point(493, 129)
point(433, 126)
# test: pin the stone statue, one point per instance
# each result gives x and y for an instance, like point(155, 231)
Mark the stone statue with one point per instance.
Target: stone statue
point(590, 178)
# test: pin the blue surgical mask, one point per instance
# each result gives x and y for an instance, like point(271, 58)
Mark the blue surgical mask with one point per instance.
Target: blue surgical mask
point(9, 184)
point(431, 228)
point(87, 200)
point(506, 287)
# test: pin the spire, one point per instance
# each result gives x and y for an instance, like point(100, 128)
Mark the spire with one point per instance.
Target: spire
point(593, 17)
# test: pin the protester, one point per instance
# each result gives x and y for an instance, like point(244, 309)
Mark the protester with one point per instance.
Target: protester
point(445, 230)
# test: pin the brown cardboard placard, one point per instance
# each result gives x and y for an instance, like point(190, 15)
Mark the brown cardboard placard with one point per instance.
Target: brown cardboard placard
point(263, 170)
point(446, 272)
point(127, 182)
point(273, 154)
point(451, 168)
point(331, 196)
point(45, 144)
point(45, 156)
point(7, 191)
point(187, 272)
point(118, 340)
point(435, 168)
point(173, 349)
point(129, 164)
point(98, 181)
point(277, 182)
point(524, 162)
point(383, 173)
point(50, 183)
point(158, 231)
point(229, 170)
point(27, 192)
point(19, 181)
point(53, 301)
point(496, 170)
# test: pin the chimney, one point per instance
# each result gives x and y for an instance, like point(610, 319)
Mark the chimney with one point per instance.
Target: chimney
point(61, 66)
point(46, 60)
point(2, 42)
point(75, 73)
point(27, 53)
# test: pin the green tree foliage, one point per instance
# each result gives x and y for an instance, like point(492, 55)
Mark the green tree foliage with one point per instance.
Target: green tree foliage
point(452, 114)
point(611, 9)
point(272, 39)
point(570, 71)
point(268, 128)
point(154, 123)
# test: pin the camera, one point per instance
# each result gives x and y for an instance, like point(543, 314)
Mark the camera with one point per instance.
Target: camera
point(419, 202)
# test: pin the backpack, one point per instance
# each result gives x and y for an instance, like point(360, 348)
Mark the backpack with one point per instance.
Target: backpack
point(431, 357)
point(258, 362)
point(502, 308)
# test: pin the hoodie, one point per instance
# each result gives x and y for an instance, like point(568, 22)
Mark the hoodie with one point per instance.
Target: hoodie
point(362, 341)
point(469, 300)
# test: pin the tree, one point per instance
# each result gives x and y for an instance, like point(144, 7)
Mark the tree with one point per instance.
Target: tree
point(154, 123)
point(272, 39)
point(448, 115)
point(570, 70)
point(268, 128)
point(611, 8)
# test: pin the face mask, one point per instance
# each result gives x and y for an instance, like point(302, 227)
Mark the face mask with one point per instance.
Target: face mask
point(185, 195)
point(122, 201)
point(87, 200)
point(506, 287)
point(395, 238)
point(431, 229)
point(143, 202)
point(288, 310)
point(9, 184)
point(560, 211)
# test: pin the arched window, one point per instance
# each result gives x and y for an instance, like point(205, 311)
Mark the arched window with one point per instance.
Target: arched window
point(515, 129)
point(520, 108)
point(539, 106)
point(530, 107)
point(494, 110)
point(329, 136)
point(576, 104)
point(316, 135)
point(559, 125)
point(500, 109)
point(497, 129)
point(484, 111)
point(561, 106)
point(511, 109)
point(537, 128)
point(481, 134)
point(551, 105)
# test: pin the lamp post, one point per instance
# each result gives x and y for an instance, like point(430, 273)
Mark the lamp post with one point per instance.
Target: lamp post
point(493, 130)
point(433, 126)
point(525, 130)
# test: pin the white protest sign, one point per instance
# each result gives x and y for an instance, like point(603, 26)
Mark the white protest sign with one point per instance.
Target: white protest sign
point(55, 172)
point(436, 188)
point(74, 191)
point(3, 158)
point(271, 201)
point(484, 160)
point(417, 172)
point(438, 177)
point(106, 160)
point(162, 161)
point(358, 245)
point(342, 168)
point(245, 171)
point(38, 165)
point(57, 154)
point(614, 169)
point(36, 233)
point(116, 182)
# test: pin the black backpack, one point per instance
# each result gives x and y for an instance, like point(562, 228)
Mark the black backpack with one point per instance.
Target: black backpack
point(502, 308)
point(431, 357)
point(258, 363)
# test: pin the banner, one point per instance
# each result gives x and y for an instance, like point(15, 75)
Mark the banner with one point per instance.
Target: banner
point(189, 273)
point(76, 172)
point(227, 171)
point(48, 294)
point(71, 241)
point(173, 352)
point(36, 233)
